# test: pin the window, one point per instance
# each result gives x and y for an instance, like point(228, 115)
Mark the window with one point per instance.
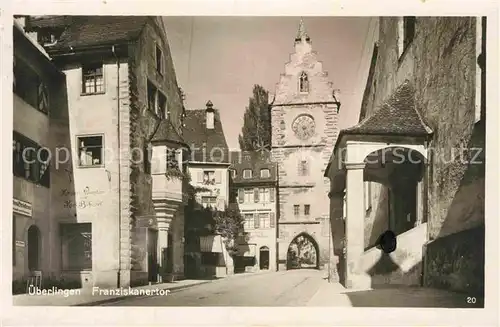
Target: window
point(30, 87)
point(90, 150)
point(159, 59)
point(247, 173)
point(264, 173)
point(296, 210)
point(161, 106)
point(248, 195)
point(147, 156)
point(307, 209)
point(76, 241)
point(151, 97)
point(30, 160)
point(249, 221)
point(234, 173)
point(264, 195)
point(209, 201)
point(209, 177)
point(92, 78)
point(303, 168)
point(172, 160)
point(406, 32)
point(157, 101)
point(303, 83)
point(265, 220)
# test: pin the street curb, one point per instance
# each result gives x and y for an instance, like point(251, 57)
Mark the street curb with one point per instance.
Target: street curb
point(119, 298)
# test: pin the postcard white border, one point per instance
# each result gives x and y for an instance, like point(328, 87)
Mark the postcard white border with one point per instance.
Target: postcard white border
point(223, 316)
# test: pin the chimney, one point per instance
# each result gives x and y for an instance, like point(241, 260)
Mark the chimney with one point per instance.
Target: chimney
point(210, 113)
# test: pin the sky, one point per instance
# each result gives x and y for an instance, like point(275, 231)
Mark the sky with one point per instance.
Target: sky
point(221, 58)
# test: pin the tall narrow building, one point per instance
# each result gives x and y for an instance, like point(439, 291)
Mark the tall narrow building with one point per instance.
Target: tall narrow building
point(304, 117)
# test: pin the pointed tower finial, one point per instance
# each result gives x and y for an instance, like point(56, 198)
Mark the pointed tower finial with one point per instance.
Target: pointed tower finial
point(302, 34)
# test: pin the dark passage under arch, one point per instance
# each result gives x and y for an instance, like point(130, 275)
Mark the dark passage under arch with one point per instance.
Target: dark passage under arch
point(303, 253)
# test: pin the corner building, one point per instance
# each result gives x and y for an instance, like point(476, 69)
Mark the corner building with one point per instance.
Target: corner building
point(304, 116)
point(120, 220)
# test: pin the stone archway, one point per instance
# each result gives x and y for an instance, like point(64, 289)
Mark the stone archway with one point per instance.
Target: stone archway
point(401, 171)
point(34, 248)
point(303, 253)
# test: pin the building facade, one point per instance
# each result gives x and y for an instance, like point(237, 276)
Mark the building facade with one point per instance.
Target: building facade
point(40, 124)
point(208, 165)
point(254, 191)
point(304, 115)
point(417, 155)
point(119, 215)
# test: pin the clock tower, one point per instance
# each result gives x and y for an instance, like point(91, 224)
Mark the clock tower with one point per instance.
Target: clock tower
point(304, 116)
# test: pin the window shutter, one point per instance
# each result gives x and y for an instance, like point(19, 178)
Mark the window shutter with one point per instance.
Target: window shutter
point(272, 220)
point(217, 177)
point(200, 177)
point(271, 194)
point(241, 195)
point(256, 220)
point(256, 195)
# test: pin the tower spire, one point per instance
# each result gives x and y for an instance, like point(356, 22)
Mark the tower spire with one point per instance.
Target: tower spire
point(301, 33)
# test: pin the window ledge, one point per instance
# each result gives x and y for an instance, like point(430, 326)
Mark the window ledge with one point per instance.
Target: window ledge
point(94, 93)
point(90, 166)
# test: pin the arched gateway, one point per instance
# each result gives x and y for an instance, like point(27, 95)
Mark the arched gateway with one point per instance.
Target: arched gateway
point(303, 252)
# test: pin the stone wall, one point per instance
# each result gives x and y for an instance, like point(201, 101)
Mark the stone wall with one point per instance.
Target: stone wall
point(457, 262)
point(441, 63)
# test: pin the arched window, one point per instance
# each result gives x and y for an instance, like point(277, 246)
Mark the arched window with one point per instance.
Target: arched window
point(303, 83)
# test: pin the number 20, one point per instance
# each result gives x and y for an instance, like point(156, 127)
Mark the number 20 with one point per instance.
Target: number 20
point(471, 299)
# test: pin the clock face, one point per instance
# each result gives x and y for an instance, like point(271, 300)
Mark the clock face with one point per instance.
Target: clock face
point(303, 126)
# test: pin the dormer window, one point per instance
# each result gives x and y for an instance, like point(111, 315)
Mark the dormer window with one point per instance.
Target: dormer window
point(303, 83)
point(247, 173)
point(45, 37)
point(210, 113)
point(264, 173)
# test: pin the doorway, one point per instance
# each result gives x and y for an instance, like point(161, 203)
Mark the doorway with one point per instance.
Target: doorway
point(169, 255)
point(264, 258)
point(152, 255)
point(33, 248)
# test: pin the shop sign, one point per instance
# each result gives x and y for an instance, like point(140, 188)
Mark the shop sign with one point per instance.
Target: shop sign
point(22, 208)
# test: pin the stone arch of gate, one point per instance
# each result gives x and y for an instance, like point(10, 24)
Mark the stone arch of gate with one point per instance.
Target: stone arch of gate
point(300, 243)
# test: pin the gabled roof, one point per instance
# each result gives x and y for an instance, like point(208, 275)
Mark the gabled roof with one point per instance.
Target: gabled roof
point(254, 160)
point(34, 23)
point(396, 116)
point(85, 31)
point(198, 137)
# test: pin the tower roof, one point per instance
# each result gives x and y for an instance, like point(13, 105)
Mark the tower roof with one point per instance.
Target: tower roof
point(302, 33)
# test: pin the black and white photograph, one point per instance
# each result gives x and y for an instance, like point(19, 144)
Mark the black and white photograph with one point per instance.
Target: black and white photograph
point(325, 161)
